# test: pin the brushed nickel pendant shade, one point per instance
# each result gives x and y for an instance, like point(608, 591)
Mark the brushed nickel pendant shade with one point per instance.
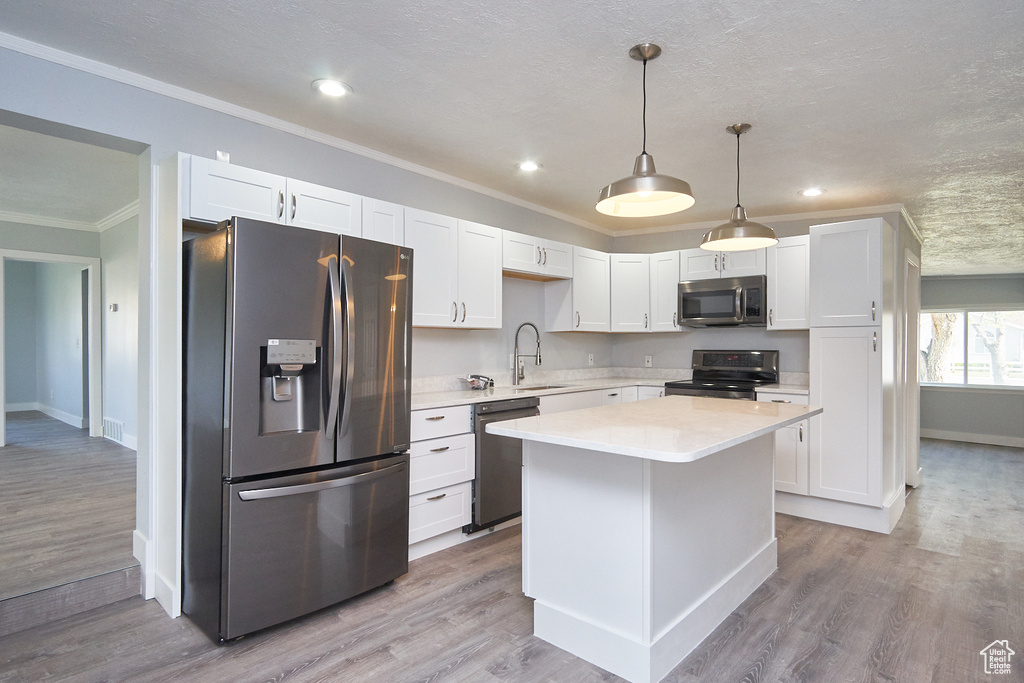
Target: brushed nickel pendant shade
point(646, 192)
point(739, 234)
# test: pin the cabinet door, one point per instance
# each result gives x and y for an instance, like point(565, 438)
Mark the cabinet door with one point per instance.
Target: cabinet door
point(479, 275)
point(644, 393)
point(218, 191)
point(630, 293)
point(664, 291)
point(556, 258)
point(577, 400)
point(520, 253)
point(846, 273)
point(788, 284)
point(742, 263)
point(435, 242)
point(383, 221)
point(699, 264)
point(590, 291)
point(846, 439)
point(323, 208)
point(791, 447)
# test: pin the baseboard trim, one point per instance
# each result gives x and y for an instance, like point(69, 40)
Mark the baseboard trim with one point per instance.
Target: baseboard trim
point(20, 407)
point(50, 604)
point(881, 520)
point(968, 437)
point(142, 550)
point(167, 595)
point(76, 421)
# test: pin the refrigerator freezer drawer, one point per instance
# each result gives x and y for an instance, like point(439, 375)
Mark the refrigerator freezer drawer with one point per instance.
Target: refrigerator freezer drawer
point(299, 543)
point(440, 510)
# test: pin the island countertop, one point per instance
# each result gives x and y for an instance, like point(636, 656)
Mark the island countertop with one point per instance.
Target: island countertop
point(669, 429)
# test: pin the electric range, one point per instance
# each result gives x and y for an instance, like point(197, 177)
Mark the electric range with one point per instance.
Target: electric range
point(728, 374)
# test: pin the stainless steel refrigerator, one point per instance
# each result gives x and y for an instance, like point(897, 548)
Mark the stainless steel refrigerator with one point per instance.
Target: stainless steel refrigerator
point(296, 403)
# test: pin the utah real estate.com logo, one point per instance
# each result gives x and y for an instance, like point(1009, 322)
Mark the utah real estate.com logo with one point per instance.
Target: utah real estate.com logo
point(997, 657)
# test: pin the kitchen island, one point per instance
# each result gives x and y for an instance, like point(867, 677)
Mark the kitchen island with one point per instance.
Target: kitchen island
point(645, 524)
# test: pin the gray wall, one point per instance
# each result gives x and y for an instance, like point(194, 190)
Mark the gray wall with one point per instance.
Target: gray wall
point(20, 333)
point(119, 247)
point(971, 413)
point(59, 339)
point(21, 237)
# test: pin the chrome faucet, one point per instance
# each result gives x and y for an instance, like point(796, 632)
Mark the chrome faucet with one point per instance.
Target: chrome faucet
point(519, 373)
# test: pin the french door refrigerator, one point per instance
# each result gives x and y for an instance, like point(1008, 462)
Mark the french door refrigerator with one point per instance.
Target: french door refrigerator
point(296, 404)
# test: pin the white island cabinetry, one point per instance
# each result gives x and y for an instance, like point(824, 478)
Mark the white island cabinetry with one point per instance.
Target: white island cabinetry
point(646, 524)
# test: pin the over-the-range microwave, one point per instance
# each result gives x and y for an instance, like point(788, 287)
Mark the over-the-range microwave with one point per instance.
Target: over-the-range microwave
point(728, 301)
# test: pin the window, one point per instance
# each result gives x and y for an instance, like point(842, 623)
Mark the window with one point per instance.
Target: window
point(972, 347)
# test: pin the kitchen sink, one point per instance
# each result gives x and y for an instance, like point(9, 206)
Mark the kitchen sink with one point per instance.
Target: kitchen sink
point(540, 387)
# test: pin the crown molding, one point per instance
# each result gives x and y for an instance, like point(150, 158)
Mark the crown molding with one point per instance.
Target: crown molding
point(118, 217)
point(46, 221)
point(112, 73)
point(783, 218)
point(911, 224)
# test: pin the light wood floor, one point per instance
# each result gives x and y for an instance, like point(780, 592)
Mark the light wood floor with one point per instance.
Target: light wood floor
point(845, 605)
point(67, 505)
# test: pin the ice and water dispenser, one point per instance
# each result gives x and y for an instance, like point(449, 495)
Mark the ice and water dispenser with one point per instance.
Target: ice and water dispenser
point(289, 386)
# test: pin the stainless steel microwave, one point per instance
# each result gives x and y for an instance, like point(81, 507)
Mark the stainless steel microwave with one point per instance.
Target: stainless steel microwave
point(728, 301)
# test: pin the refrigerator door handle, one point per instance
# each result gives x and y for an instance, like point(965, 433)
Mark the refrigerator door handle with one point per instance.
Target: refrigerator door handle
point(332, 404)
point(280, 491)
point(350, 340)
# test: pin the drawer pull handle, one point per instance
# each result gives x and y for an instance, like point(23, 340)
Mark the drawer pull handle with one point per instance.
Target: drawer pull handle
point(437, 497)
point(435, 418)
point(780, 400)
point(442, 449)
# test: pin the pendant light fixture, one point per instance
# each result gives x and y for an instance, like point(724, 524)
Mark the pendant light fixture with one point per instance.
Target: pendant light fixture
point(646, 192)
point(738, 234)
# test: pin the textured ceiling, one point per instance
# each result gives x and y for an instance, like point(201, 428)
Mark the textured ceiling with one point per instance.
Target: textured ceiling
point(880, 102)
point(49, 180)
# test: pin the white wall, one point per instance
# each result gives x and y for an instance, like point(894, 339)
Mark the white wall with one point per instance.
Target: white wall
point(59, 355)
point(20, 334)
point(120, 272)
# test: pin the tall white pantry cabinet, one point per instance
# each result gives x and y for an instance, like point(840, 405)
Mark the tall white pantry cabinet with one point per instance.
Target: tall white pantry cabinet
point(854, 474)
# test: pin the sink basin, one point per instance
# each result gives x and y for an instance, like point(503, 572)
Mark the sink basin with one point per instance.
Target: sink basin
point(540, 387)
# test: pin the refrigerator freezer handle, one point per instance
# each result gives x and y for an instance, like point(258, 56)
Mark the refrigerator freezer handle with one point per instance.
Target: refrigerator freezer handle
point(350, 340)
point(279, 491)
point(335, 390)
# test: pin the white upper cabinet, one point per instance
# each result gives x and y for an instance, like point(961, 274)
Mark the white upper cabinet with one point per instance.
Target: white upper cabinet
point(323, 208)
point(479, 275)
point(789, 284)
point(456, 271)
point(630, 293)
point(700, 264)
point(665, 291)
point(582, 304)
point(383, 221)
point(536, 256)
point(846, 273)
point(219, 190)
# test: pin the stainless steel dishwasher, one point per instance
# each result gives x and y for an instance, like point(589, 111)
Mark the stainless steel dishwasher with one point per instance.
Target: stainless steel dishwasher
point(498, 487)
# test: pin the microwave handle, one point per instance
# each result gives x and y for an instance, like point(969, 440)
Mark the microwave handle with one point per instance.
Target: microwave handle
point(737, 304)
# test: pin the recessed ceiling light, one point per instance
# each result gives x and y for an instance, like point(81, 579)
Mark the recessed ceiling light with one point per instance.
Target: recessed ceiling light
point(331, 87)
point(812, 192)
point(528, 166)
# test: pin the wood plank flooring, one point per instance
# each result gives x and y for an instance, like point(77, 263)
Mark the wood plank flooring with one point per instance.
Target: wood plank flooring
point(845, 605)
point(67, 505)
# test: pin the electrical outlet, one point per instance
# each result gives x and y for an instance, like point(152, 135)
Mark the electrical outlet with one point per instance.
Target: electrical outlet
point(590, 359)
point(648, 361)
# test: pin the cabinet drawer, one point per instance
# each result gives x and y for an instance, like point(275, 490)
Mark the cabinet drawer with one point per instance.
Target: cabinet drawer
point(435, 512)
point(776, 397)
point(441, 462)
point(431, 424)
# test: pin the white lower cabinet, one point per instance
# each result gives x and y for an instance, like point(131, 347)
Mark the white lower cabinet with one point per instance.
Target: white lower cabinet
point(646, 392)
point(577, 400)
point(442, 462)
point(791, 447)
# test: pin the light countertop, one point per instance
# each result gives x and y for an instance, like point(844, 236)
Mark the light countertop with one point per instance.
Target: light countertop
point(444, 399)
point(669, 429)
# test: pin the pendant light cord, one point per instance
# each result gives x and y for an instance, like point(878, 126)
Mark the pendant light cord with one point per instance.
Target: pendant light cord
point(644, 151)
point(737, 169)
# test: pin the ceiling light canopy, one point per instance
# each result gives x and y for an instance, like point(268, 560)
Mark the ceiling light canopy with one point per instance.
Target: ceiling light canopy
point(739, 234)
point(331, 87)
point(646, 192)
